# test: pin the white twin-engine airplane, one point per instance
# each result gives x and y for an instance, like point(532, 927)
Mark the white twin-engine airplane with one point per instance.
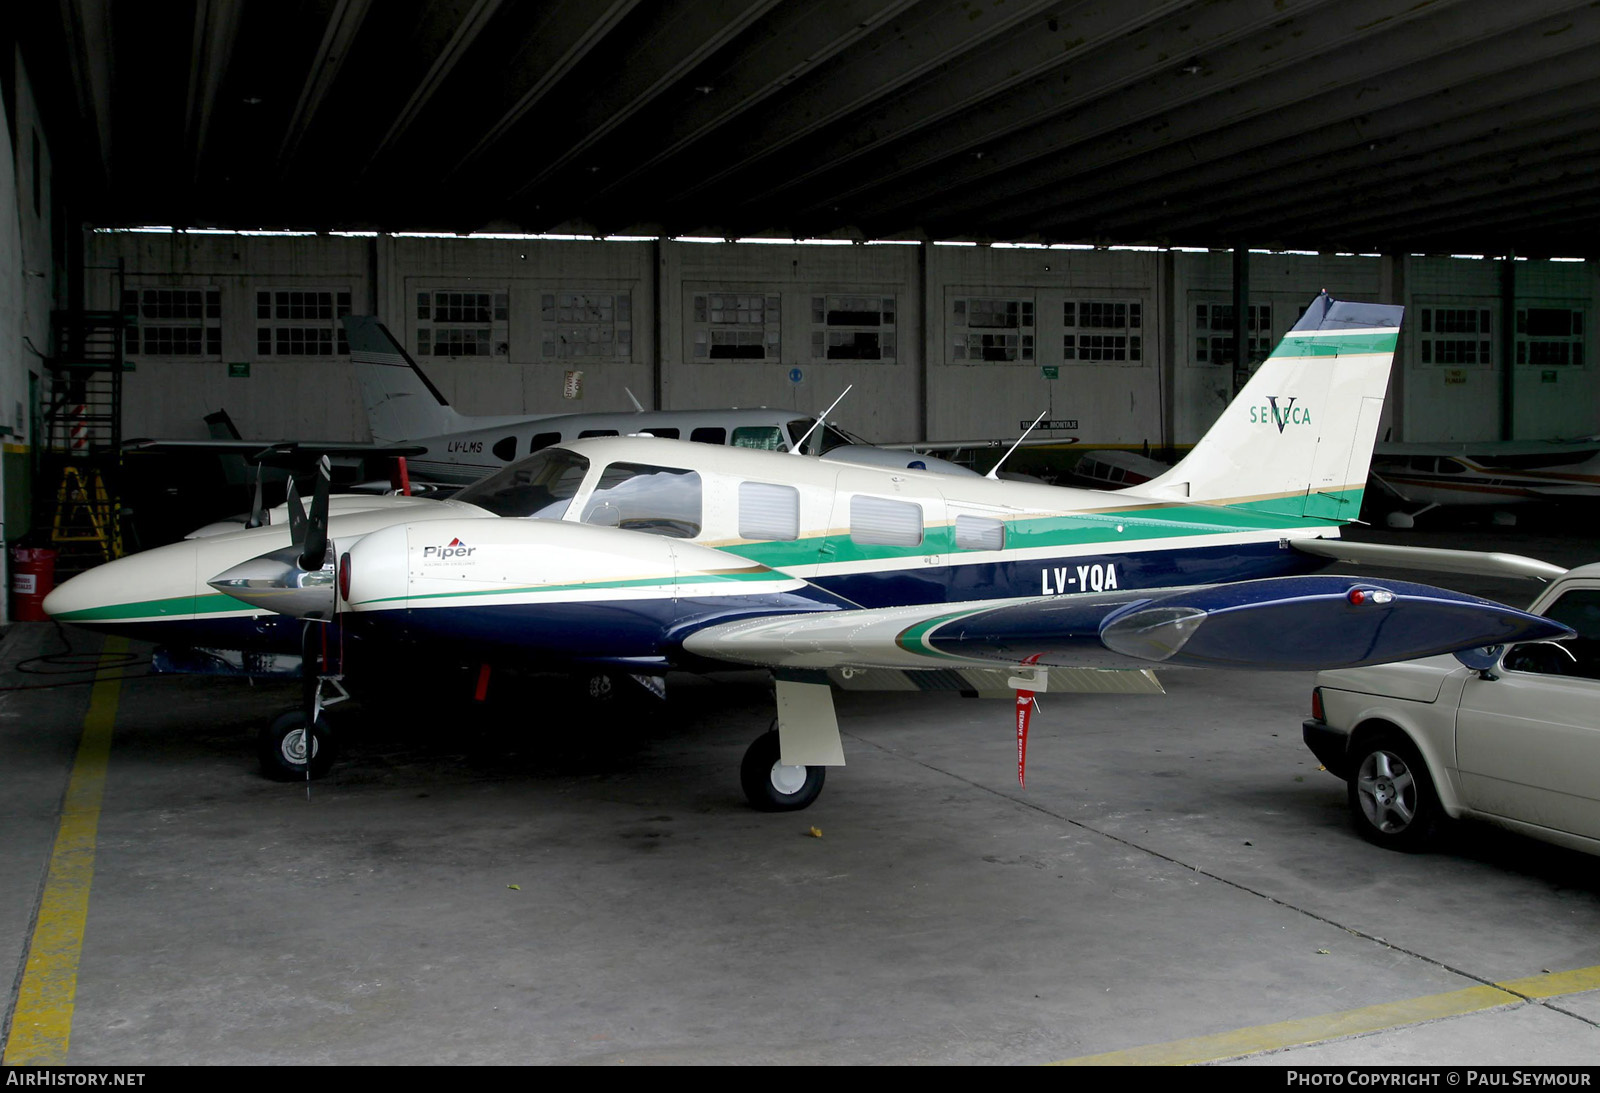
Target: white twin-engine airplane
point(643, 555)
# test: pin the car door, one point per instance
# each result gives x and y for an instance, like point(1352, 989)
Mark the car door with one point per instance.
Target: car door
point(1528, 741)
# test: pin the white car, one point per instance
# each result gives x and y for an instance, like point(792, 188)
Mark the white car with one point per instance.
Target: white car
point(1516, 742)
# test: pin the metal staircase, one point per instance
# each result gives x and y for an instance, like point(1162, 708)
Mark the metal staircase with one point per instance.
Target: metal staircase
point(80, 465)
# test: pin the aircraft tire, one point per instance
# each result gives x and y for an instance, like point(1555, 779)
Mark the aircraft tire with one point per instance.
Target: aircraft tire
point(281, 748)
point(770, 786)
point(1392, 800)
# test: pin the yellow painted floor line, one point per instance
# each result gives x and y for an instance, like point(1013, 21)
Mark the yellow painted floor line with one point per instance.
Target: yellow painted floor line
point(1333, 1026)
point(41, 1025)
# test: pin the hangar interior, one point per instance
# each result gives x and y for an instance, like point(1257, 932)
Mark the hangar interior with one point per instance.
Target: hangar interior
point(973, 212)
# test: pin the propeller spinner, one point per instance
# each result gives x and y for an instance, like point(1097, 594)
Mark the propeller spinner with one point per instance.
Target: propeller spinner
point(299, 579)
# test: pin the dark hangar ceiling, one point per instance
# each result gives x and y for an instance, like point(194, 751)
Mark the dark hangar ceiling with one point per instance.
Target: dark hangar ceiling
point(1362, 125)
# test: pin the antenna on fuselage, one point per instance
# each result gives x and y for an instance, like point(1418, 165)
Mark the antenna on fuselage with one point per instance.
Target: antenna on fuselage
point(800, 445)
point(994, 471)
point(636, 407)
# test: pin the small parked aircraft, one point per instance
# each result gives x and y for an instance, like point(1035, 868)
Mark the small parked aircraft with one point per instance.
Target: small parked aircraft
point(642, 555)
point(1497, 473)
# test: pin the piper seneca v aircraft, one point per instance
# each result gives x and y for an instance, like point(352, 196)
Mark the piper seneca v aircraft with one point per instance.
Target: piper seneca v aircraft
point(644, 555)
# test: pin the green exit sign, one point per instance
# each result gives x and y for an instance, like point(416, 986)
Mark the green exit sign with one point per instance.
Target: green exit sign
point(1050, 371)
point(238, 369)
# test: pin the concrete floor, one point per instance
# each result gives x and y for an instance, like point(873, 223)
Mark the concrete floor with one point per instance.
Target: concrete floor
point(1177, 881)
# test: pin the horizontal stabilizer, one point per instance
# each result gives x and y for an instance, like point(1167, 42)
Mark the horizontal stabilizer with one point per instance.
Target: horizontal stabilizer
point(1482, 563)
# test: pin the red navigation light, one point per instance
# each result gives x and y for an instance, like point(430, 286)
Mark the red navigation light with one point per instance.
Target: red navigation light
point(1359, 596)
point(344, 575)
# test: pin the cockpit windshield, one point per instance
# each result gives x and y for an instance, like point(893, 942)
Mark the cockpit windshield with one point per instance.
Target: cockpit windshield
point(540, 486)
point(824, 439)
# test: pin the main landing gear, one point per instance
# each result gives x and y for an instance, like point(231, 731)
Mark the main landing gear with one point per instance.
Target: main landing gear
point(770, 785)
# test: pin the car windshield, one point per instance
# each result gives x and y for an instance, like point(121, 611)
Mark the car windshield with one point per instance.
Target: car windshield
point(540, 486)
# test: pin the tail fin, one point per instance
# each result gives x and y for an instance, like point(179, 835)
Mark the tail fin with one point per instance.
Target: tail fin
point(401, 402)
point(1298, 439)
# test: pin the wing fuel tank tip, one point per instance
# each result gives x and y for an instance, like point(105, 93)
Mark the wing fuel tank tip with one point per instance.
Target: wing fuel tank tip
point(1301, 624)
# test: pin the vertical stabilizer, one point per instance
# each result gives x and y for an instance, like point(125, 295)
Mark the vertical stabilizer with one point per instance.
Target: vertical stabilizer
point(400, 401)
point(1298, 439)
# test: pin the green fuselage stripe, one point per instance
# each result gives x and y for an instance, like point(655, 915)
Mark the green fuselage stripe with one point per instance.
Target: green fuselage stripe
point(214, 603)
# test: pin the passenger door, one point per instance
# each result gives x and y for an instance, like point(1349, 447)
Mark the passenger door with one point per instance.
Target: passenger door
point(1528, 742)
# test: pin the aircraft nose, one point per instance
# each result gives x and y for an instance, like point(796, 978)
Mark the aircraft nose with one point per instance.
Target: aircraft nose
point(155, 584)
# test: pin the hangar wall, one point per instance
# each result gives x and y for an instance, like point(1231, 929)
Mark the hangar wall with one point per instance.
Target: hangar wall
point(29, 282)
point(942, 341)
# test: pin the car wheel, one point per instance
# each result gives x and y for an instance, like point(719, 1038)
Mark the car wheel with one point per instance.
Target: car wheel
point(1392, 800)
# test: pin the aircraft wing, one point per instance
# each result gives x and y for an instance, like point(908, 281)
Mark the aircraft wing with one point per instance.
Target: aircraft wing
point(959, 445)
point(275, 452)
point(1564, 491)
point(1287, 623)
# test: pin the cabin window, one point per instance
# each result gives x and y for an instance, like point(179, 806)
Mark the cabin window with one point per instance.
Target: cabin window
point(543, 440)
point(540, 486)
point(709, 434)
point(654, 500)
point(980, 533)
point(768, 511)
point(767, 438)
point(661, 432)
point(878, 521)
point(596, 432)
point(505, 449)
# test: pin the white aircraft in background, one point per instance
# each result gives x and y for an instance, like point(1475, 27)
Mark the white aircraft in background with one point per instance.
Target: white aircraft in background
point(1489, 473)
point(642, 556)
point(404, 407)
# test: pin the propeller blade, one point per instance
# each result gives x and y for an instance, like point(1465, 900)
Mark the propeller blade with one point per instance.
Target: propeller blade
point(316, 541)
point(297, 513)
point(258, 510)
